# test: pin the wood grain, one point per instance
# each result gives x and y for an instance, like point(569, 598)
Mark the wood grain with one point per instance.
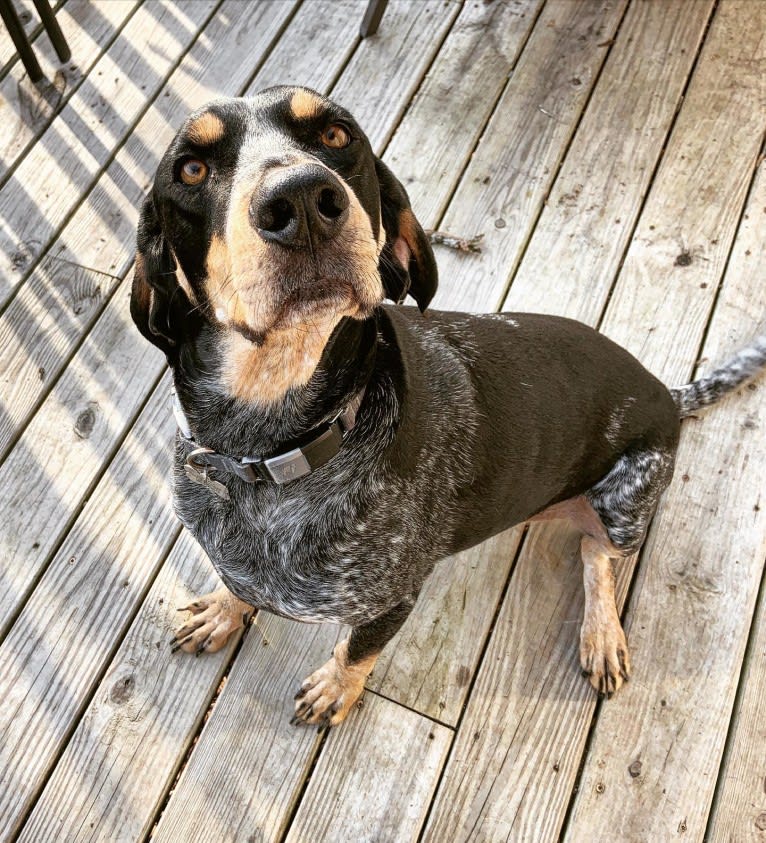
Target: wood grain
point(126, 749)
point(671, 271)
point(27, 109)
point(82, 606)
point(65, 449)
point(374, 778)
point(247, 768)
point(301, 56)
point(511, 770)
point(376, 92)
point(502, 190)
point(444, 121)
point(589, 216)
point(430, 663)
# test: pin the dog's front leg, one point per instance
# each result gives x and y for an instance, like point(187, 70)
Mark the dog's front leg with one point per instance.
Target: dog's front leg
point(326, 697)
point(215, 617)
point(603, 648)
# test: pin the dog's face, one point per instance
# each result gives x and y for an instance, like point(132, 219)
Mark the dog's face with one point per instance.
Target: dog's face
point(272, 215)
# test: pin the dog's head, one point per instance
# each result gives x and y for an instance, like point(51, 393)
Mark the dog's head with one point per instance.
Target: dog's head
point(270, 215)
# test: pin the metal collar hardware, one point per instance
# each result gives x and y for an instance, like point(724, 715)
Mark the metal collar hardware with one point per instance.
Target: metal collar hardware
point(282, 467)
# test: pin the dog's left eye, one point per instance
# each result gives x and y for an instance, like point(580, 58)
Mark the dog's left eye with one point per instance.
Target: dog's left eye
point(193, 171)
point(336, 136)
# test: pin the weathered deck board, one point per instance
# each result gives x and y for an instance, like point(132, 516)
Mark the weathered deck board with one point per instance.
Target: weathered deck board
point(65, 635)
point(683, 239)
point(363, 782)
point(311, 65)
point(379, 104)
point(247, 769)
point(725, 435)
point(447, 115)
point(127, 747)
point(583, 231)
point(519, 744)
point(503, 188)
point(65, 447)
point(26, 109)
point(430, 663)
point(105, 384)
point(86, 133)
point(532, 715)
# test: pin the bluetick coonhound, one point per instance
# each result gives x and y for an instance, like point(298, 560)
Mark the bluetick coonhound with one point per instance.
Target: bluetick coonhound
point(332, 449)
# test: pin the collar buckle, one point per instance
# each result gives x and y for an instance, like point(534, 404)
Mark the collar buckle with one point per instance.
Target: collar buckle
point(280, 468)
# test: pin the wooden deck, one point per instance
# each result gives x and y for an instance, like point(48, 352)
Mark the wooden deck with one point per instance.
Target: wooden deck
point(611, 153)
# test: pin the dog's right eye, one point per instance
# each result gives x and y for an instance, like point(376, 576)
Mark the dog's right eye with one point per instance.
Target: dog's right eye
point(193, 171)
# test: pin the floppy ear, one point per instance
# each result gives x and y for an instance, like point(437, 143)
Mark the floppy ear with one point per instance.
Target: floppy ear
point(157, 302)
point(407, 263)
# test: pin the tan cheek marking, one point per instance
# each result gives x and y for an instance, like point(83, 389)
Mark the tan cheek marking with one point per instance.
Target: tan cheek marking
point(408, 228)
point(139, 271)
point(305, 105)
point(141, 291)
point(218, 270)
point(207, 129)
point(365, 250)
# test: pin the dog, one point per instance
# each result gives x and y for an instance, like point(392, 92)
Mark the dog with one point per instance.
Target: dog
point(332, 448)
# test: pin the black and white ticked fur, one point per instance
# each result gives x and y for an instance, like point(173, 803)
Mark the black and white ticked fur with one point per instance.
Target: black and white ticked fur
point(468, 424)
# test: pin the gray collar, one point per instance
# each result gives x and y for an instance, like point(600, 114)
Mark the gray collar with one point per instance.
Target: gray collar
point(282, 466)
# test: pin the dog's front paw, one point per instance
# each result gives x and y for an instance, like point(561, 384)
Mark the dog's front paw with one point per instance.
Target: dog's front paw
point(604, 654)
point(327, 696)
point(215, 617)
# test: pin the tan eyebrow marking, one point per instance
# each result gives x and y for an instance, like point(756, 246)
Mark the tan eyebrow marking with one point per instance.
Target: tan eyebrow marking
point(207, 129)
point(305, 105)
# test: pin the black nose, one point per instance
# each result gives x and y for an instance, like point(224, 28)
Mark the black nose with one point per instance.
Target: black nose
point(299, 205)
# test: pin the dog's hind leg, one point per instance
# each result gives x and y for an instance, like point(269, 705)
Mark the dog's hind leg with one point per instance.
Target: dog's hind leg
point(624, 502)
point(604, 653)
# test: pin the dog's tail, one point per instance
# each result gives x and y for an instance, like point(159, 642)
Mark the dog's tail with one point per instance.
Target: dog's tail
point(710, 389)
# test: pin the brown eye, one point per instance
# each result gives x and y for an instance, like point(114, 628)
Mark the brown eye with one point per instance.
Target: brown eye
point(193, 171)
point(336, 136)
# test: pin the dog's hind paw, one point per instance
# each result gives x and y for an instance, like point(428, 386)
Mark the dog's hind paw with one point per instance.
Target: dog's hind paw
point(215, 617)
point(604, 656)
point(327, 696)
